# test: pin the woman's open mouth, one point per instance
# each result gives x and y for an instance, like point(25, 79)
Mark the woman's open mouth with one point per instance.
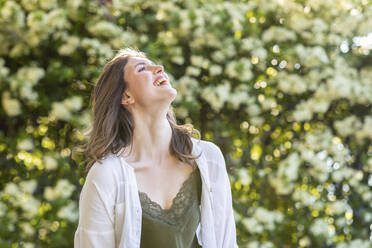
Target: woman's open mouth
point(161, 82)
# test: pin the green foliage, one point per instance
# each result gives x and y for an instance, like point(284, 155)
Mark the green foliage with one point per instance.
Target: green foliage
point(283, 87)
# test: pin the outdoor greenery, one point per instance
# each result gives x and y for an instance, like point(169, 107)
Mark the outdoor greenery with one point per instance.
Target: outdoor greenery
point(283, 87)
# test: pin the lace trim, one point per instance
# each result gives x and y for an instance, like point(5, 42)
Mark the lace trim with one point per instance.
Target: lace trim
point(180, 203)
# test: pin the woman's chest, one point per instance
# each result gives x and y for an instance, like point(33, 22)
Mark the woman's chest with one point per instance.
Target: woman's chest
point(162, 184)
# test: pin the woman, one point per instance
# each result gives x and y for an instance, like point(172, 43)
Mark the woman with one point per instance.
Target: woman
point(149, 183)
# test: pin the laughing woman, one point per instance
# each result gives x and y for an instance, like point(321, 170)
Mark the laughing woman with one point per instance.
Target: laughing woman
point(149, 183)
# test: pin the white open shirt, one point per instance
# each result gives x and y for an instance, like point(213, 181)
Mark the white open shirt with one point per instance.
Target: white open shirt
point(110, 213)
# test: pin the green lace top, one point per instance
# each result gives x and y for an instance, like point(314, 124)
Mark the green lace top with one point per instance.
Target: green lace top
point(174, 227)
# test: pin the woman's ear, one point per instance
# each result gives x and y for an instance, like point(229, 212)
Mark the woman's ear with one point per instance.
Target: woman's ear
point(127, 99)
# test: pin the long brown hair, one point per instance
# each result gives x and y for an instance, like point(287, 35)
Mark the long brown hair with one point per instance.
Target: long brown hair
point(112, 124)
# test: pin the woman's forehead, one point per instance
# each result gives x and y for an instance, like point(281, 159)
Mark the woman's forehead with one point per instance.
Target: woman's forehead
point(134, 61)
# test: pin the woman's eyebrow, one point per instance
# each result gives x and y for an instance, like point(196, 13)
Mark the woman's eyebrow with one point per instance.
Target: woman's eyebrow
point(143, 63)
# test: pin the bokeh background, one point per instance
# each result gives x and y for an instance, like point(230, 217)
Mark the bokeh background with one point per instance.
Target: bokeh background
point(283, 87)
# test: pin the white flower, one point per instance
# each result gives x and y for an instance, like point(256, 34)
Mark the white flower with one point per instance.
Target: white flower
point(253, 109)
point(291, 83)
point(29, 4)
point(178, 59)
point(181, 112)
point(50, 194)
point(252, 225)
point(244, 177)
point(240, 69)
point(33, 38)
point(338, 207)
point(215, 70)
point(320, 53)
point(28, 245)
point(70, 46)
point(253, 244)
point(302, 112)
point(48, 4)
point(239, 96)
point(223, 90)
point(64, 188)
point(356, 178)
point(268, 218)
point(186, 88)
point(194, 71)
point(319, 169)
point(280, 186)
point(279, 34)
point(36, 20)
point(298, 22)
point(28, 186)
point(347, 126)
point(288, 168)
point(85, 119)
point(257, 120)
point(197, 61)
point(59, 111)
point(312, 56)
point(104, 28)
point(218, 56)
point(11, 106)
point(73, 103)
point(319, 105)
point(9, 9)
point(320, 228)
point(28, 93)
point(69, 212)
point(250, 43)
point(4, 71)
point(355, 243)
point(11, 189)
point(30, 205)
point(367, 167)
point(25, 144)
point(209, 94)
point(304, 241)
point(57, 19)
point(269, 103)
point(304, 197)
point(3, 209)
point(25, 79)
point(74, 4)
point(343, 173)
point(50, 162)
point(365, 132)
point(340, 85)
point(267, 244)
point(27, 228)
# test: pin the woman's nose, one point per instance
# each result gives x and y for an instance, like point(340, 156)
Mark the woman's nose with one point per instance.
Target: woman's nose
point(158, 68)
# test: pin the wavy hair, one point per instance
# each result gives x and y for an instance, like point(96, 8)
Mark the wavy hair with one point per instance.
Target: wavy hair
point(112, 124)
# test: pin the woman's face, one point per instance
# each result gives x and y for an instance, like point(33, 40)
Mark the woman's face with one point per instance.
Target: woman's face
point(141, 75)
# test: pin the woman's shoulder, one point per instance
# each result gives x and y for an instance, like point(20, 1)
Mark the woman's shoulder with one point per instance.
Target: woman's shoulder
point(106, 171)
point(210, 149)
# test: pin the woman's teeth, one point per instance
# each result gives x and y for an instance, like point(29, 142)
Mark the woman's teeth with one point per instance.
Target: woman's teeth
point(160, 82)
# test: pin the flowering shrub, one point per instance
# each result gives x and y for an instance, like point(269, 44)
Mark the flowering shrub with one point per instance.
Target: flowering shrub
point(283, 87)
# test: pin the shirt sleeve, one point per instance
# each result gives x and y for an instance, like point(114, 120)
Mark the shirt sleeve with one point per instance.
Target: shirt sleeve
point(230, 229)
point(226, 227)
point(96, 204)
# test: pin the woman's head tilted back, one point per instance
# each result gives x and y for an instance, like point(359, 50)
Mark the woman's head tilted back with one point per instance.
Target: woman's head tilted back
point(128, 86)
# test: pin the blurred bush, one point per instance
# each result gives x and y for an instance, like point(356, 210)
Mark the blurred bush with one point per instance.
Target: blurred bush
point(283, 87)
